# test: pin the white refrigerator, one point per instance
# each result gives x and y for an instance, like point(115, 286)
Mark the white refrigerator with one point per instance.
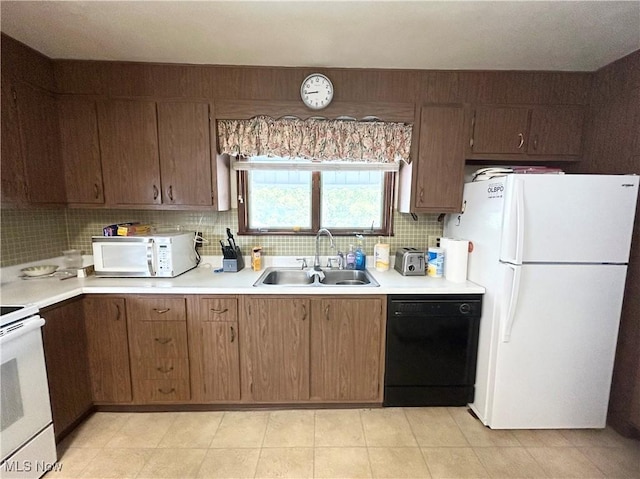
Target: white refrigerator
point(552, 253)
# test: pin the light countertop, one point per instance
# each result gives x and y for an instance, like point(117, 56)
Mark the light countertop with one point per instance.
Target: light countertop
point(202, 280)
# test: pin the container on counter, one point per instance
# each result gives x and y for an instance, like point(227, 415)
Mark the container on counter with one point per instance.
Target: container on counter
point(381, 256)
point(435, 262)
point(256, 258)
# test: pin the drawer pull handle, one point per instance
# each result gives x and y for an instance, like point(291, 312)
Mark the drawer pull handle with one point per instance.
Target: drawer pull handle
point(164, 391)
point(162, 311)
point(233, 334)
point(163, 340)
point(118, 312)
point(165, 370)
point(219, 311)
point(521, 142)
point(326, 312)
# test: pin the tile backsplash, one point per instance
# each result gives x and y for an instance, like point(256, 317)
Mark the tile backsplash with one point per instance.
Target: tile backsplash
point(30, 235)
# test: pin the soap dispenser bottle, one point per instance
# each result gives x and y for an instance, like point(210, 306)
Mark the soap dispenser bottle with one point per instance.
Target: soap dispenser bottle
point(351, 258)
point(361, 257)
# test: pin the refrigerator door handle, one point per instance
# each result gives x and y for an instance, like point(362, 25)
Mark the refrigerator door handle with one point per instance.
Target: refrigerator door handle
point(514, 291)
point(514, 225)
point(519, 191)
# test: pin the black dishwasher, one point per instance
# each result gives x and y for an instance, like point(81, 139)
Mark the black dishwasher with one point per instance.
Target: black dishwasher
point(431, 351)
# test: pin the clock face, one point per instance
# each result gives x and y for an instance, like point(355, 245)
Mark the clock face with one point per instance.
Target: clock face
point(316, 91)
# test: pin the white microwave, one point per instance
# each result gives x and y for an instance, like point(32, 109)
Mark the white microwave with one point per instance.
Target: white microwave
point(152, 256)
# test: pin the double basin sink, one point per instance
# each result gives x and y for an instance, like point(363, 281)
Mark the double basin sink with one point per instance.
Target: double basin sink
point(297, 277)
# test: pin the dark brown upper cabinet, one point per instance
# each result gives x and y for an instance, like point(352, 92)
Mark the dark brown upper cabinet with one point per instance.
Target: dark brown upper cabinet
point(31, 163)
point(438, 172)
point(156, 154)
point(536, 133)
point(80, 147)
point(185, 153)
point(129, 146)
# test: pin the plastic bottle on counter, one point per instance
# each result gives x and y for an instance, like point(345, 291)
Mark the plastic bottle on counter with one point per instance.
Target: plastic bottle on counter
point(351, 258)
point(381, 256)
point(361, 257)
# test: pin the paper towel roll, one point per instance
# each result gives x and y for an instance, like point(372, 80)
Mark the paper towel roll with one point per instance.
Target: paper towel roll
point(455, 259)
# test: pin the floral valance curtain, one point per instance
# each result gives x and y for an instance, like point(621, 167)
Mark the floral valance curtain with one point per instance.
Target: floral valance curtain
point(317, 139)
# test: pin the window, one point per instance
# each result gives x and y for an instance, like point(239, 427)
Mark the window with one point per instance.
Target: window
point(298, 202)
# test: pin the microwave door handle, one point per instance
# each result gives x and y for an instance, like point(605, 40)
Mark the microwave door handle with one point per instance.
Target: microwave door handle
point(150, 254)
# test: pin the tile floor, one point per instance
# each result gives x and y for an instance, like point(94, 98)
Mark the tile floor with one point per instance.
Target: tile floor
point(345, 443)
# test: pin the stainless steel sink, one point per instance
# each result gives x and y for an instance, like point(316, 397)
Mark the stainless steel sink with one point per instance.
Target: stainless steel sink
point(285, 277)
point(347, 278)
point(296, 277)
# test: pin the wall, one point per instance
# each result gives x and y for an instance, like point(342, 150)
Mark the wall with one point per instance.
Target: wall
point(30, 235)
point(613, 147)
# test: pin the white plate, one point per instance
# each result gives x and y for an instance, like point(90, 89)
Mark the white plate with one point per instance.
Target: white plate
point(40, 270)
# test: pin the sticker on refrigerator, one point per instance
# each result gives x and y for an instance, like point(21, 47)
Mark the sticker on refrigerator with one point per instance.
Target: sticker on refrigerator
point(495, 190)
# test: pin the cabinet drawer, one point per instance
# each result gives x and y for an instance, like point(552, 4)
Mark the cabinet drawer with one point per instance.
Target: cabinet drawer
point(157, 309)
point(159, 339)
point(220, 309)
point(160, 390)
point(162, 368)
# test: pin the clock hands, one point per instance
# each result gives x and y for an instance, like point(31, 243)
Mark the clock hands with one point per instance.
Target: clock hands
point(311, 92)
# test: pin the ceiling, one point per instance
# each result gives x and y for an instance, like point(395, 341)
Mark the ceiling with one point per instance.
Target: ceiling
point(484, 35)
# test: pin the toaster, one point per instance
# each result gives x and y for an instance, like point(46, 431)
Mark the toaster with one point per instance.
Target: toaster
point(410, 262)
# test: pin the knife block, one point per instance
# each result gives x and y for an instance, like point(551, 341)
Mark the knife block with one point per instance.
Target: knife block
point(233, 265)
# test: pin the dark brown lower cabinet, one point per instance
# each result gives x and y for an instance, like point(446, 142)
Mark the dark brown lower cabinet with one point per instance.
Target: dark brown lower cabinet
point(213, 350)
point(108, 349)
point(346, 349)
point(65, 349)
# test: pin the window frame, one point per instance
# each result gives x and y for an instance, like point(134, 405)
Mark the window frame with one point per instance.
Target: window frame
point(386, 227)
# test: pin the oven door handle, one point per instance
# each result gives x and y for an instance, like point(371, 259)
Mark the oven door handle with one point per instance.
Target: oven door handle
point(20, 328)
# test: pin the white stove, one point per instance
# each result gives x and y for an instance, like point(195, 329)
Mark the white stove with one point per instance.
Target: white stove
point(27, 448)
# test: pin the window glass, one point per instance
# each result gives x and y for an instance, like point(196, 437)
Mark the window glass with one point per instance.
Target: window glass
point(279, 199)
point(352, 199)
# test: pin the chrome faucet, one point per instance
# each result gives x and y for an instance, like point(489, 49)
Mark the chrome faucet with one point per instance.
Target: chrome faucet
point(316, 259)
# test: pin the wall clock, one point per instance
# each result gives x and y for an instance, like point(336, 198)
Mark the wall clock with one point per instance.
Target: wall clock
point(316, 91)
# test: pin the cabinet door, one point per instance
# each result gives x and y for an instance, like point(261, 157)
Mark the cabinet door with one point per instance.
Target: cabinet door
point(129, 145)
point(274, 349)
point(346, 348)
point(185, 153)
point(40, 137)
point(14, 184)
point(500, 130)
point(213, 350)
point(65, 348)
point(80, 150)
point(556, 131)
point(439, 173)
point(106, 327)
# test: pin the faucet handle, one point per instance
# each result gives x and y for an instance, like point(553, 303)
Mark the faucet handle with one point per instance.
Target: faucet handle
point(304, 263)
point(330, 261)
